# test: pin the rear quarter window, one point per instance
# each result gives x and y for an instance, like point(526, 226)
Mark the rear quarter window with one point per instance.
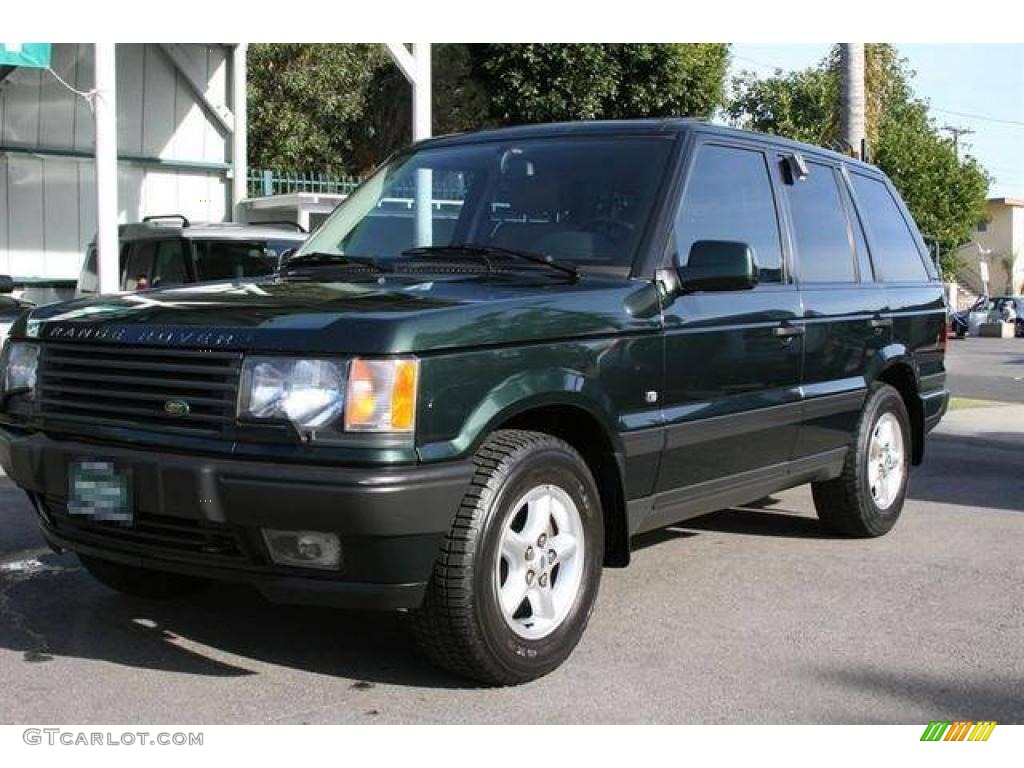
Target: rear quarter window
point(894, 248)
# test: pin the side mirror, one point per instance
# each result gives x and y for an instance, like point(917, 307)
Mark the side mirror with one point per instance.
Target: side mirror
point(719, 265)
point(6, 284)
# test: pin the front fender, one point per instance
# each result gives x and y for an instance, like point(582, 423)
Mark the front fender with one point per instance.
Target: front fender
point(521, 392)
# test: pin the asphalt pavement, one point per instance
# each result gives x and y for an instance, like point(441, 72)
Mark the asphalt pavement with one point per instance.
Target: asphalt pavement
point(987, 369)
point(750, 615)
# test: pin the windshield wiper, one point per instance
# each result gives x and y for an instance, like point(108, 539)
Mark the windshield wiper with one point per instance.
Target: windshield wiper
point(325, 259)
point(496, 250)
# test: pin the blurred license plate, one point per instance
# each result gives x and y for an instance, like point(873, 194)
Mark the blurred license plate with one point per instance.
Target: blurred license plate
point(99, 490)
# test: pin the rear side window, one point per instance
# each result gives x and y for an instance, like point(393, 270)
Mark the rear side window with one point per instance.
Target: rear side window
point(895, 251)
point(729, 197)
point(821, 230)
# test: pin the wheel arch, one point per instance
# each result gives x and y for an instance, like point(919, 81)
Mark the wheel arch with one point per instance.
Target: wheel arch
point(590, 436)
point(900, 372)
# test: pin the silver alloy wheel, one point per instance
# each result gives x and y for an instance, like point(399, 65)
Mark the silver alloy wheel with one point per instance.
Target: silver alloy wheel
point(539, 569)
point(886, 461)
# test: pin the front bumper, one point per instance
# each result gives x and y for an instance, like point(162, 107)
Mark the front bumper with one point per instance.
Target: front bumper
point(202, 516)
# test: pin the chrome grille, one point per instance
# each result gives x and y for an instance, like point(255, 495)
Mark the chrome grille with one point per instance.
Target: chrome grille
point(131, 386)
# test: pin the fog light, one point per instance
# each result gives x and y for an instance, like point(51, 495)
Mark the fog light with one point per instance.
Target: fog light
point(306, 549)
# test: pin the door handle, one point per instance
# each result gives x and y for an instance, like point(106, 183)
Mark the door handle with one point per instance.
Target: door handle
point(787, 331)
point(880, 322)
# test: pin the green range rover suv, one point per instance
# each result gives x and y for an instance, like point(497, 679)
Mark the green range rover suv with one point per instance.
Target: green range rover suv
point(501, 358)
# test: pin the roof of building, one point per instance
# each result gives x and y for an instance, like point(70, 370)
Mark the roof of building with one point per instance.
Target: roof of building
point(1016, 202)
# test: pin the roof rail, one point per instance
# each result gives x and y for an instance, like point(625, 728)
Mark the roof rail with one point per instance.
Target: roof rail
point(295, 224)
point(184, 222)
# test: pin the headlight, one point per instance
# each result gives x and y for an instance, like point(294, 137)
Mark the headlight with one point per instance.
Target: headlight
point(19, 367)
point(381, 395)
point(308, 393)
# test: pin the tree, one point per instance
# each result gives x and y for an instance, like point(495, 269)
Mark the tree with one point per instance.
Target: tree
point(344, 108)
point(945, 195)
point(533, 83)
point(306, 103)
point(459, 104)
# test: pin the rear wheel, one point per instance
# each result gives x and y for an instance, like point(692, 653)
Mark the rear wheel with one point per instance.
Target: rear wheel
point(518, 574)
point(141, 582)
point(867, 498)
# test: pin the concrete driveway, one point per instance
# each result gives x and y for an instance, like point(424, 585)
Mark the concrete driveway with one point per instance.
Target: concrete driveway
point(745, 616)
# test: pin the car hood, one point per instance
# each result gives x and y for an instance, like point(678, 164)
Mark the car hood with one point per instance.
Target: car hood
point(358, 315)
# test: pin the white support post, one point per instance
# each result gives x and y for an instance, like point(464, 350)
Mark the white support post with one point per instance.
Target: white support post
point(421, 112)
point(239, 132)
point(416, 68)
point(108, 262)
point(421, 118)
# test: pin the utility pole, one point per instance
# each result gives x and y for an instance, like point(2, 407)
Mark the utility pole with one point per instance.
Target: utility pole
point(956, 132)
point(851, 99)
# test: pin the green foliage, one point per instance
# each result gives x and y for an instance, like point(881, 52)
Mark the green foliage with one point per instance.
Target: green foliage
point(533, 83)
point(459, 104)
point(945, 195)
point(305, 103)
point(799, 105)
point(343, 108)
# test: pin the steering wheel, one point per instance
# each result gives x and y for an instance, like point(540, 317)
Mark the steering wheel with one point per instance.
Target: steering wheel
point(613, 229)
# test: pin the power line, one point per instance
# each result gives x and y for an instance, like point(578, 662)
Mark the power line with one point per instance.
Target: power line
point(979, 117)
point(973, 116)
point(775, 69)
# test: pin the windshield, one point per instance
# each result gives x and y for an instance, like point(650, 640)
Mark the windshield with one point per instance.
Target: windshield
point(585, 201)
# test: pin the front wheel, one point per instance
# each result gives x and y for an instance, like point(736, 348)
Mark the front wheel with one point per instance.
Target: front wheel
point(867, 498)
point(516, 580)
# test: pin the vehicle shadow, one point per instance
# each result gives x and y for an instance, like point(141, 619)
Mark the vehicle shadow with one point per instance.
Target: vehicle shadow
point(659, 536)
point(57, 609)
point(982, 471)
point(753, 521)
point(943, 699)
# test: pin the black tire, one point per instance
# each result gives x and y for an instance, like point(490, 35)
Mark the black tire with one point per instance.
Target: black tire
point(460, 625)
point(142, 582)
point(845, 505)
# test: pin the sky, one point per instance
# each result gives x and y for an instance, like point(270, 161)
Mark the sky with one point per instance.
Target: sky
point(977, 86)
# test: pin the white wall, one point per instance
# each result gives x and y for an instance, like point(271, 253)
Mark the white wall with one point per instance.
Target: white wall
point(47, 206)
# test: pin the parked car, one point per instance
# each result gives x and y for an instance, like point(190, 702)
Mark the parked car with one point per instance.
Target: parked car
point(10, 307)
point(1010, 309)
point(467, 410)
point(165, 251)
point(997, 307)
